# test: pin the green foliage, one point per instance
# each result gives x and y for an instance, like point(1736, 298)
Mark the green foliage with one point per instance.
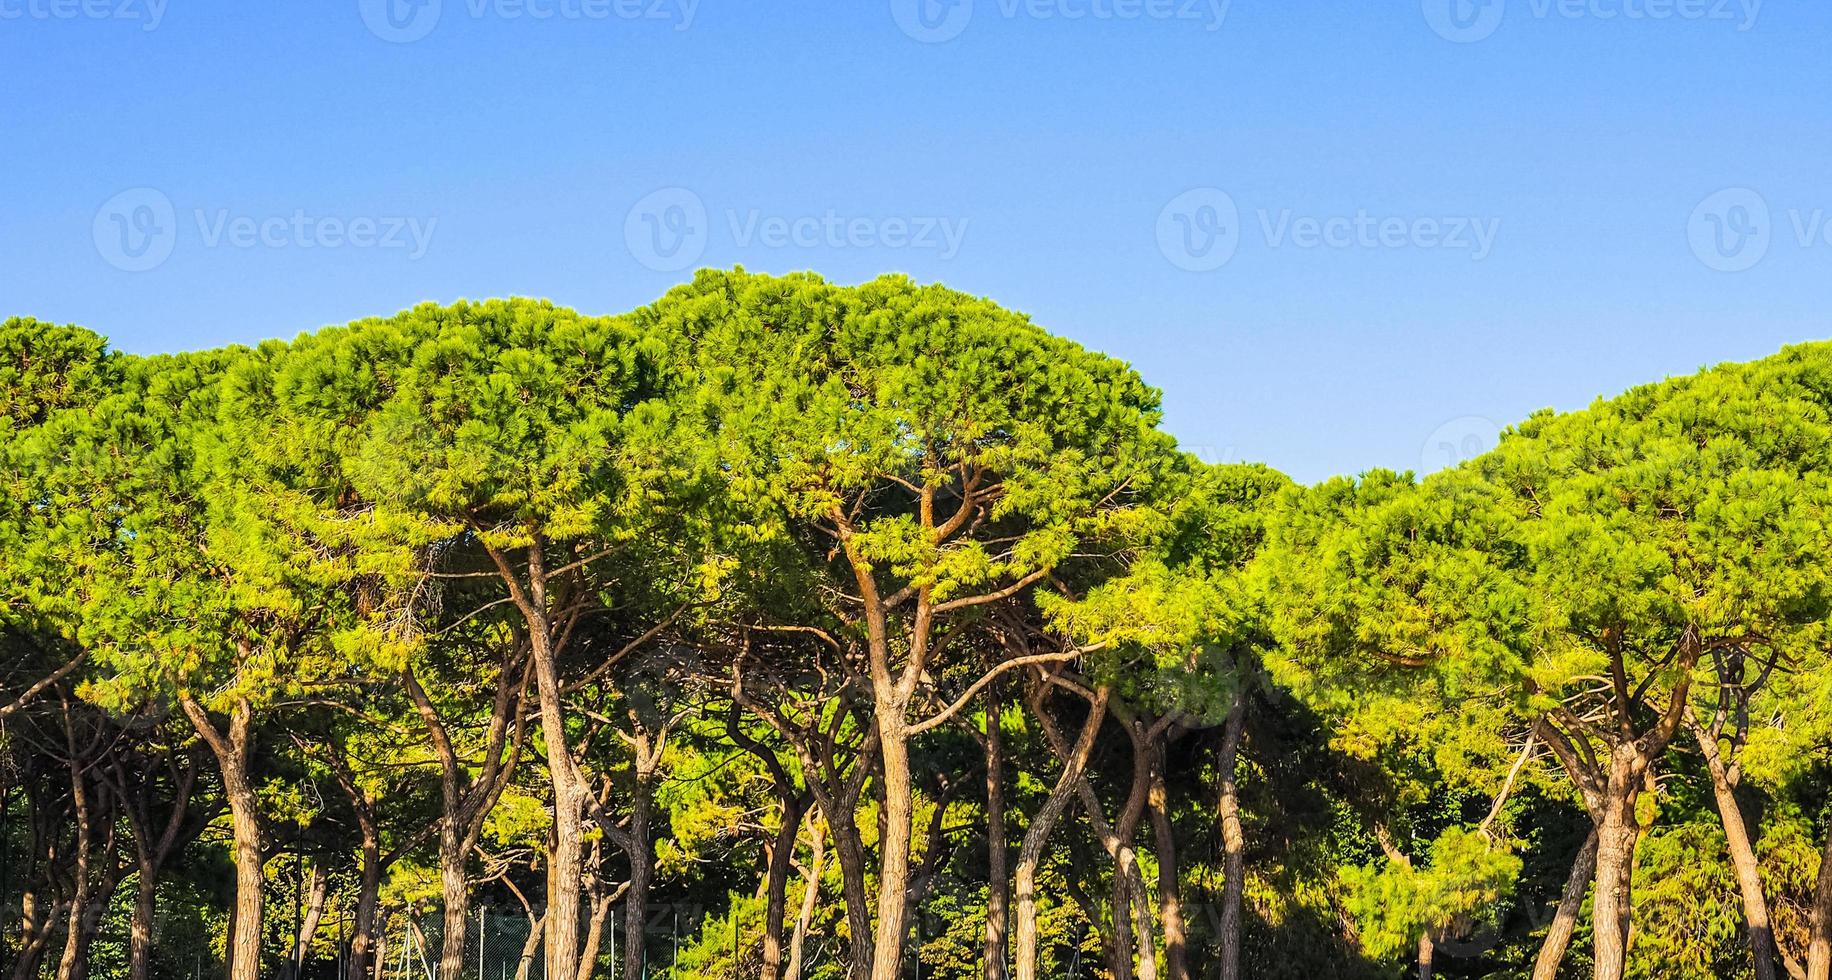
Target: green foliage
point(1458, 888)
point(286, 529)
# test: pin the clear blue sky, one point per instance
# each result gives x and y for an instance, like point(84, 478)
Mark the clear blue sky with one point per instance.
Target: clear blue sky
point(1090, 170)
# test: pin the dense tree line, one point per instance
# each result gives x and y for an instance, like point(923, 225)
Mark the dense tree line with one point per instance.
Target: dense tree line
point(895, 634)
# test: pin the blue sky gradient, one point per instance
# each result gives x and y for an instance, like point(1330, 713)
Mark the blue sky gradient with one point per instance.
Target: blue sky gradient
point(1338, 234)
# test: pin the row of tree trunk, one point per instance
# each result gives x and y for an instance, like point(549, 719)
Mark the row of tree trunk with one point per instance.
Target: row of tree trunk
point(160, 826)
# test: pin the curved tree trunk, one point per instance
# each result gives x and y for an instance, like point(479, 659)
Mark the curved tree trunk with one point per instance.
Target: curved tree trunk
point(314, 913)
point(1170, 898)
point(594, 933)
point(525, 964)
point(1819, 949)
point(1031, 851)
point(368, 894)
point(1570, 906)
point(998, 879)
point(849, 849)
point(231, 749)
point(1742, 858)
point(571, 794)
point(1233, 839)
point(35, 939)
point(73, 964)
point(1128, 865)
point(776, 882)
point(811, 891)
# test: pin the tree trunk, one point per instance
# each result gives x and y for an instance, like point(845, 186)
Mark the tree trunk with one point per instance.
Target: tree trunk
point(594, 934)
point(894, 840)
point(1121, 953)
point(1617, 836)
point(243, 953)
point(642, 863)
point(363, 943)
point(525, 965)
point(1427, 951)
point(454, 894)
point(463, 810)
point(314, 913)
point(1571, 904)
point(250, 909)
point(1819, 949)
point(998, 880)
point(380, 964)
point(1031, 851)
point(565, 863)
point(1170, 899)
point(1742, 858)
point(566, 857)
point(1141, 913)
point(34, 940)
point(91, 924)
point(811, 891)
point(140, 932)
point(73, 963)
point(1129, 903)
point(849, 849)
point(1233, 839)
point(1129, 881)
point(776, 884)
